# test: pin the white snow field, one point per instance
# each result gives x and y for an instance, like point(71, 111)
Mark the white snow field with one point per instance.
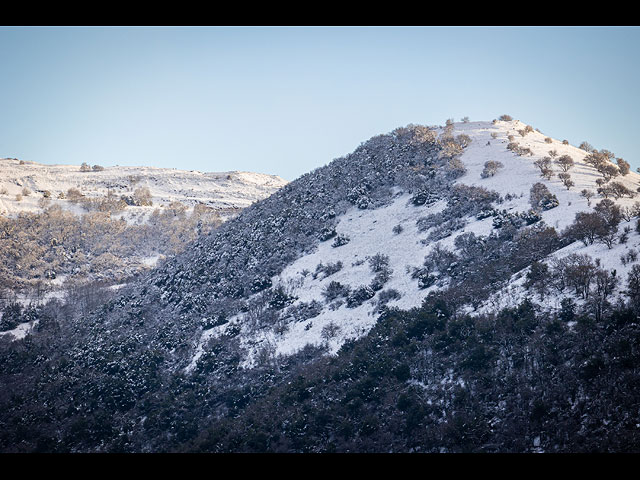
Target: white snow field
point(371, 232)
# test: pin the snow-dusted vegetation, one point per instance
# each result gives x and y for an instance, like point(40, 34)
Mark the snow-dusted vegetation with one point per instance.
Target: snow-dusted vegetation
point(85, 224)
point(475, 233)
point(140, 189)
point(435, 282)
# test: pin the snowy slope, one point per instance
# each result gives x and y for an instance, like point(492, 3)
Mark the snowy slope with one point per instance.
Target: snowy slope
point(226, 192)
point(223, 190)
point(372, 232)
point(517, 177)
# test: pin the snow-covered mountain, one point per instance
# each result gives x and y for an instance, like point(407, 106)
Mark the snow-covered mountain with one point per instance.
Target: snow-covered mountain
point(388, 222)
point(394, 232)
point(66, 225)
point(432, 271)
point(224, 191)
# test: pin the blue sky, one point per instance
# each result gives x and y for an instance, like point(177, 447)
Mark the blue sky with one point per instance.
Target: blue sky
point(288, 100)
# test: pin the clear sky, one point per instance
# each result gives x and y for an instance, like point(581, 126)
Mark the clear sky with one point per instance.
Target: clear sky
point(287, 100)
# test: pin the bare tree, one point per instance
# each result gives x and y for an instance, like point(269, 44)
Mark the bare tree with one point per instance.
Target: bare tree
point(623, 166)
point(618, 190)
point(544, 164)
point(608, 171)
point(566, 180)
point(565, 162)
point(588, 194)
point(586, 146)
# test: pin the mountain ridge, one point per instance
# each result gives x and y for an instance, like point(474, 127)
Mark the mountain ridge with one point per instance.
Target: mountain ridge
point(219, 190)
point(402, 245)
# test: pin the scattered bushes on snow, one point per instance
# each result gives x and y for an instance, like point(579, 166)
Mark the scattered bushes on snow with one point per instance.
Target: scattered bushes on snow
point(441, 261)
point(359, 295)
point(518, 150)
point(608, 171)
point(279, 298)
point(586, 146)
point(544, 165)
point(446, 229)
point(623, 166)
point(463, 201)
point(327, 270)
point(340, 240)
point(74, 195)
point(601, 161)
point(624, 236)
point(424, 276)
point(335, 290)
point(588, 194)
point(616, 190)
point(388, 295)
point(517, 219)
point(425, 196)
point(453, 146)
point(379, 262)
point(381, 278)
point(600, 225)
point(329, 331)
point(540, 198)
point(491, 167)
point(565, 162)
point(631, 212)
point(327, 233)
point(142, 197)
point(304, 310)
point(524, 131)
point(566, 180)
